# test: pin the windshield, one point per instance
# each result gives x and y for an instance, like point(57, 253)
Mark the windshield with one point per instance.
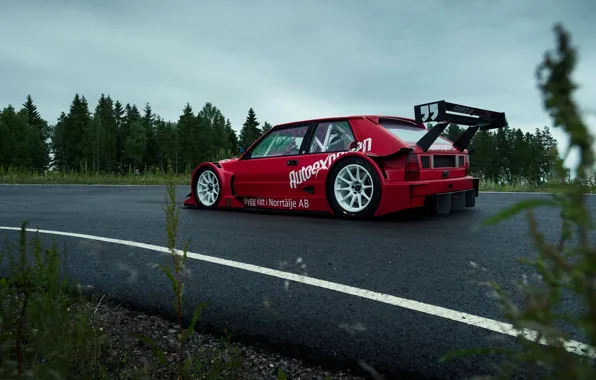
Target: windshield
point(409, 133)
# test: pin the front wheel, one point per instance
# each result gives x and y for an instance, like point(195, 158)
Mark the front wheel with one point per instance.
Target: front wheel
point(354, 188)
point(207, 189)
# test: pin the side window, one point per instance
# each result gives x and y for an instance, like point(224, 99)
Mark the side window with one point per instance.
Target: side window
point(335, 136)
point(282, 142)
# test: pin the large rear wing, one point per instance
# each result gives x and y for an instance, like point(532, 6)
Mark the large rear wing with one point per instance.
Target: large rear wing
point(446, 113)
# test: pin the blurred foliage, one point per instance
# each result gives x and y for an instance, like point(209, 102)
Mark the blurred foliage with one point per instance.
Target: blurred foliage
point(567, 266)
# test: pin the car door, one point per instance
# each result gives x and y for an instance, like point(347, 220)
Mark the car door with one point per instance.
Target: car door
point(261, 175)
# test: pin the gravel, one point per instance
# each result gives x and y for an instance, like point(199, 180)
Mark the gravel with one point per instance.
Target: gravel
point(126, 356)
point(120, 324)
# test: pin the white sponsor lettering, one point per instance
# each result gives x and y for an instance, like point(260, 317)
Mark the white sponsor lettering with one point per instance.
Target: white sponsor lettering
point(286, 203)
point(463, 109)
point(436, 146)
point(429, 111)
point(303, 174)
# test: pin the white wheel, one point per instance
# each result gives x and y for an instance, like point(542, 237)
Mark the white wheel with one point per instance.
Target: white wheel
point(208, 188)
point(353, 188)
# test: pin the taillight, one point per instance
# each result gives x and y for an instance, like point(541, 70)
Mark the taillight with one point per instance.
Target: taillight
point(412, 167)
point(467, 165)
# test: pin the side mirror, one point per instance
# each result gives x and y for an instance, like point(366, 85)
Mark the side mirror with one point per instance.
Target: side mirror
point(353, 145)
point(242, 149)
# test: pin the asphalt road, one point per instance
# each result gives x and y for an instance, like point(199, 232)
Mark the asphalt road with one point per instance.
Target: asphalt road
point(425, 259)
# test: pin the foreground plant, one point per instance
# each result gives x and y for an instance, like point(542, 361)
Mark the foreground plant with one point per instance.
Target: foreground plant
point(187, 366)
point(561, 267)
point(45, 325)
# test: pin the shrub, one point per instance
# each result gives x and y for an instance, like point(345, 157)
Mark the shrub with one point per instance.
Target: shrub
point(568, 265)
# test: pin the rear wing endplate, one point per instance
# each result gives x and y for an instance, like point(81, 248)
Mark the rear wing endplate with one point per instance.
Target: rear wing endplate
point(446, 113)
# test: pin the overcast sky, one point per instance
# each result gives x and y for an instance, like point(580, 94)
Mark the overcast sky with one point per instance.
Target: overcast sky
point(291, 60)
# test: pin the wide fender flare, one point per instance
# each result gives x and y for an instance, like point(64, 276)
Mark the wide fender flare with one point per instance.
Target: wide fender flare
point(359, 155)
point(222, 175)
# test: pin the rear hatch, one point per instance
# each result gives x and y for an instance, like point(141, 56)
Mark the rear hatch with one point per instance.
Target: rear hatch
point(441, 161)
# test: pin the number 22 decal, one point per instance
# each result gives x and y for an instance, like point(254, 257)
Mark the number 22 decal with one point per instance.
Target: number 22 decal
point(429, 111)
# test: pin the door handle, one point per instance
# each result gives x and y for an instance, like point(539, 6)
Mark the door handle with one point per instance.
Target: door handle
point(292, 162)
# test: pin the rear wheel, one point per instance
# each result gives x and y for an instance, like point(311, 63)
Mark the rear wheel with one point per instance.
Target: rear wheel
point(207, 189)
point(354, 188)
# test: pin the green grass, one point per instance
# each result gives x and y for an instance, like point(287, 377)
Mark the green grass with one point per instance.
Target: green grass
point(528, 187)
point(45, 326)
point(12, 175)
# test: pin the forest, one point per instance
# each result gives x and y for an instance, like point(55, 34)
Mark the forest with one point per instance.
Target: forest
point(114, 138)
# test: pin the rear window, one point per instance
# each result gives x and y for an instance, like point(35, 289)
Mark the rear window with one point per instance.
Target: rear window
point(407, 132)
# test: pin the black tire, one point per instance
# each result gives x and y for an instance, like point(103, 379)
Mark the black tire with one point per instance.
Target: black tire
point(371, 208)
point(195, 194)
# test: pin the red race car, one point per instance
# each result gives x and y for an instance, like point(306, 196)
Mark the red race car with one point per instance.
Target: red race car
point(353, 166)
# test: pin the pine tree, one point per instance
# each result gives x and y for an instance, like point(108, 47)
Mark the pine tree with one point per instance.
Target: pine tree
point(57, 145)
point(503, 145)
point(250, 129)
point(107, 149)
point(518, 156)
point(131, 115)
point(120, 137)
point(39, 134)
point(151, 154)
point(164, 137)
point(209, 141)
point(483, 161)
point(14, 129)
point(7, 142)
point(453, 131)
point(173, 132)
point(266, 127)
point(94, 143)
point(134, 145)
point(75, 126)
point(232, 138)
point(187, 148)
point(550, 154)
point(219, 138)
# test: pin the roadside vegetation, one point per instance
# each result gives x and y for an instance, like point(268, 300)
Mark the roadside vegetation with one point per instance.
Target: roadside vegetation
point(566, 265)
point(13, 175)
point(52, 327)
point(524, 186)
point(154, 176)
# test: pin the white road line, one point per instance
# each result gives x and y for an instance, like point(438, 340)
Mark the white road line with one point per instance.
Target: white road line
point(438, 311)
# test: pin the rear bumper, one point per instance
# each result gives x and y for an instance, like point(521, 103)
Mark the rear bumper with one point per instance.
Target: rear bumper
point(439, 186)
point(442, 195)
